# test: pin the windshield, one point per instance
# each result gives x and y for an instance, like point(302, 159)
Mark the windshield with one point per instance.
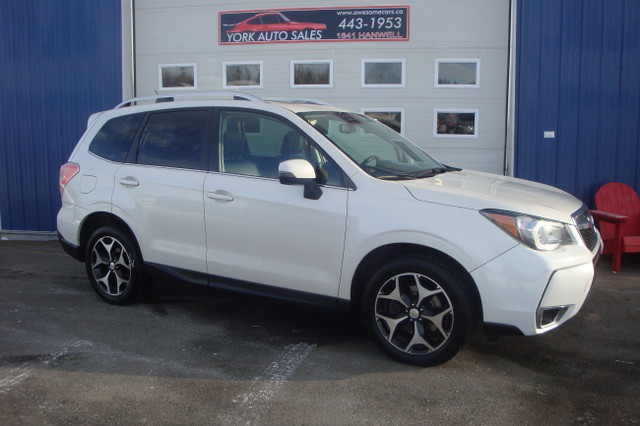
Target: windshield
point(378, 150)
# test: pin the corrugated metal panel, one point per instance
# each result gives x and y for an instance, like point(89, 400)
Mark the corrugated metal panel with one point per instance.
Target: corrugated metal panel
point(61, 61)
point(578, 64)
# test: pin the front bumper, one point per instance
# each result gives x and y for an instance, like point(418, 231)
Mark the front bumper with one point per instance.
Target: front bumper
point(533, 291)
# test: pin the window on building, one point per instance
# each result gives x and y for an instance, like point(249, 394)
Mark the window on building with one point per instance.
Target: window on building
point(455, 123)
point(174, 139)
point(457, 73)
point(246, 75)
point(114, 138)
point(177, 77)
point(392, 118)
point(311, 73)
point(382, 73)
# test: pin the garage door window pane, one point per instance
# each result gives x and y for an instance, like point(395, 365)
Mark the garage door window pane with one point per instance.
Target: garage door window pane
point(246, 74)
point(456, 123)
point(312, 74)
point(390, 118)
point(463, 73)
point(180, 76)
point(383, 73)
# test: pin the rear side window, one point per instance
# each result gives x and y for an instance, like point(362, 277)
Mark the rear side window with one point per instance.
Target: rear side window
point(174, 139)
point(114, 138)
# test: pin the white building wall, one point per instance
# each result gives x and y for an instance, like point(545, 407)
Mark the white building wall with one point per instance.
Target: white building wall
point(186, 32)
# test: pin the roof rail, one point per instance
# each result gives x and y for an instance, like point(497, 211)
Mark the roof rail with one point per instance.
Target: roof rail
point(298, 101)
point(170, 97)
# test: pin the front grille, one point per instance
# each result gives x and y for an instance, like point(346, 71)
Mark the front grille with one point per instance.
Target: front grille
point(589, 237)
point(585, 224)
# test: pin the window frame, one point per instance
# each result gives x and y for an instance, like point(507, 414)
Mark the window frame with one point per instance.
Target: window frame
point(225, 82)
point(194, 67)
point(364, 84)
point(292, 73)
point(476, 123)
point(436, 81)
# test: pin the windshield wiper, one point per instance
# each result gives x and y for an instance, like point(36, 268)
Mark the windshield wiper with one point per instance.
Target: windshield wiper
point(434, 172)
point(429, 173)
point(422, 174)
point(396, 177)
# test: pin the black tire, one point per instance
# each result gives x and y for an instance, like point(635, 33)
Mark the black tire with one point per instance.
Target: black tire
point(113, 265)
point(418, 311)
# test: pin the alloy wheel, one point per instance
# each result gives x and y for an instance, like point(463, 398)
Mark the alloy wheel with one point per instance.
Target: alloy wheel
point(111, 266)
point(414, 313)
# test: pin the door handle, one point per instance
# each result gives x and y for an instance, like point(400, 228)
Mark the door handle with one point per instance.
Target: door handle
point(129, 181)
point(220, 196)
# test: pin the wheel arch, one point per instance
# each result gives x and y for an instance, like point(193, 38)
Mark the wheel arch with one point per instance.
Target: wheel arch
point(99, 219)
point(389, 252)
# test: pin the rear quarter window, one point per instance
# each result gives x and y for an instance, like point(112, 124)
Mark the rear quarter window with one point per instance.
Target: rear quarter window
point(114, 138)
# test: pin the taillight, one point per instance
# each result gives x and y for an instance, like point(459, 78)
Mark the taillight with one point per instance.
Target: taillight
point(67, 171)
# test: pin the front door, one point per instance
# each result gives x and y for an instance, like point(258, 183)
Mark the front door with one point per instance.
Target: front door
point(260, 231)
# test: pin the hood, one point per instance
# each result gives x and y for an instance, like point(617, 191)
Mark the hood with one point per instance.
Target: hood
point(478, 190)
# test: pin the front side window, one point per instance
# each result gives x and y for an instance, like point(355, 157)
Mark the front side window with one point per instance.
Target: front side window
point(378, 150)
point(254, 145)
point(174, 139)
point(114, 138)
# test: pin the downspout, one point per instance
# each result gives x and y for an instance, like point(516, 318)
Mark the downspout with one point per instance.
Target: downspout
point(509, 148)
point(133, 48)
point(128, 47)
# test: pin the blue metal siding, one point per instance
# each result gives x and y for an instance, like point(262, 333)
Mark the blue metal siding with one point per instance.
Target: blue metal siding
point(578, 74)
point(61, 61)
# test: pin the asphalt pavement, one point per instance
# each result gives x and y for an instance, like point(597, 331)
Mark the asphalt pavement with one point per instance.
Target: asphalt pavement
point(190, 355)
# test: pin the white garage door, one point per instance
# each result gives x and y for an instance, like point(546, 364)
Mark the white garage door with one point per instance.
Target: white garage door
point(434, 70)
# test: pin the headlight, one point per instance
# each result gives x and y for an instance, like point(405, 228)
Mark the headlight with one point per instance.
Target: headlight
point(537, 233)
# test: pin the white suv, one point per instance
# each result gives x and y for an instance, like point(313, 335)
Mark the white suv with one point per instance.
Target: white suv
point(310, 202)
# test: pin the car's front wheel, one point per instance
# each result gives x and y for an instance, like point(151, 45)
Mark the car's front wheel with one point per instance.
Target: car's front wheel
point(113, 265)
point(418, 311)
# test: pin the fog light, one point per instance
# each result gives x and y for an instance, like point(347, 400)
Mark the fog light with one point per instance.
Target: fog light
point(550, 316)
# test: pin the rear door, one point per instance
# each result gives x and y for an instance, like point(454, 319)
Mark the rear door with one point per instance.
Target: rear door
point(158, 191)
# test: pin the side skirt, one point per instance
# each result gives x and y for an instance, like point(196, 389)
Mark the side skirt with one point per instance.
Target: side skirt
point(160, 272)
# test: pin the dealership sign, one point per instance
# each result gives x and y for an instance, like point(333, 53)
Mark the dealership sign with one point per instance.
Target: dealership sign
point(308, 25)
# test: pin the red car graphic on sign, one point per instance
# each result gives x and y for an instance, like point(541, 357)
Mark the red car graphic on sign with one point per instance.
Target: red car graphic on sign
point(273, 21)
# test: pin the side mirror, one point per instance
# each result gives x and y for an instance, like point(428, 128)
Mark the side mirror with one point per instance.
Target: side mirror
point(300, 172)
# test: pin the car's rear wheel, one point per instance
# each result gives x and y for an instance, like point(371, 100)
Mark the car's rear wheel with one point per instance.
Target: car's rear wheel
point(113, 265)
point(418, 311)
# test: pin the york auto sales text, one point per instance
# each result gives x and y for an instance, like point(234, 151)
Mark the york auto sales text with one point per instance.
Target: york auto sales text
point(250, 36)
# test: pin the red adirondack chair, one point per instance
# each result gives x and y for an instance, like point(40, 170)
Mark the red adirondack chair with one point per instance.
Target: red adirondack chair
point(618, 215)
